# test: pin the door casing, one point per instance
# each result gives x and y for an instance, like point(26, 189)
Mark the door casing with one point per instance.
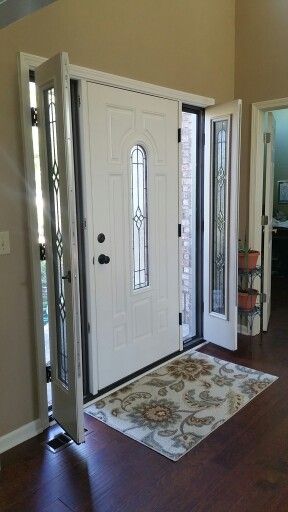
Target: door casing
point(256, 178)
point(27, 62)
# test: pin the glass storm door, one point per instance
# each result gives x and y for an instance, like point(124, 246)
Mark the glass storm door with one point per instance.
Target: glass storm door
point(221, 189)
point(134, 172)
point(56, 157)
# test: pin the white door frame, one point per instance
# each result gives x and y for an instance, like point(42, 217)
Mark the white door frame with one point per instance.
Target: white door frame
point(256, 175)
point(27, 62)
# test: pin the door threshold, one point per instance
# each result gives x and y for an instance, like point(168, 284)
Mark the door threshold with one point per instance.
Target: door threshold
point(91, 399)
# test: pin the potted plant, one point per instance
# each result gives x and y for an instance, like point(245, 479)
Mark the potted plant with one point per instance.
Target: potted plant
point(247, 299)
point(247, 258)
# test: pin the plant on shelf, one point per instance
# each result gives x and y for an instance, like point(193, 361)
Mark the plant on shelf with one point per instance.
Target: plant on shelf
point(247, 257)
point(247, 262)
point(247, 298)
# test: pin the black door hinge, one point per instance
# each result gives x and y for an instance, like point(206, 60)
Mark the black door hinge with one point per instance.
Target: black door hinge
point(264, 220)
point(179, 134)
point(267, 138)
point(180, 318)
point(48, 373)
point(34, 116)
point(179, 230)
point(42, 249)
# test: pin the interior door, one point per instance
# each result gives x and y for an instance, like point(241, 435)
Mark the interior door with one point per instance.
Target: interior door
point(221, 190)
point(56, 157)
point(268, 228)
point(134, 172)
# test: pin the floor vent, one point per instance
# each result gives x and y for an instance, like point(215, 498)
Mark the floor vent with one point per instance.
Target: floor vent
point(59, 442)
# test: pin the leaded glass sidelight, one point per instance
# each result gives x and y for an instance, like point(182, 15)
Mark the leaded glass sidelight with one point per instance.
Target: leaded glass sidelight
point(219, 216)
point(139, 217)
point(57, 234)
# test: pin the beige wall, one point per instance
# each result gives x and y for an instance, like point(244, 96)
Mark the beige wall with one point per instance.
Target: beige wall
point(261, 69)
point(183, 44)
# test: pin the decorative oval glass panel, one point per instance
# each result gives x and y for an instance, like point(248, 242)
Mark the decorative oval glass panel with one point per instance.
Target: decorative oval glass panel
point(139, 217)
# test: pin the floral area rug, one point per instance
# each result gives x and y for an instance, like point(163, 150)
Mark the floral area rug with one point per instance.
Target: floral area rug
point(175, 407)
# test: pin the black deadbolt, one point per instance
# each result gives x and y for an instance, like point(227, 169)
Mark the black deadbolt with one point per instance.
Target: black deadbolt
point(101, 238)
point(102, 259)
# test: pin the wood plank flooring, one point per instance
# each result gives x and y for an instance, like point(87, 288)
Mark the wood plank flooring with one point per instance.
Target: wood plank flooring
point(242, 466)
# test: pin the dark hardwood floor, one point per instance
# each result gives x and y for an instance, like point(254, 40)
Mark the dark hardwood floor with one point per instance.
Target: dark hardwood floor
point(242, 466)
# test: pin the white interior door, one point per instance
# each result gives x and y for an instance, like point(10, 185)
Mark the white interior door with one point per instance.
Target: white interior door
point(269, 191)
point(56, 157)
point(134, 173)
point(221, 190)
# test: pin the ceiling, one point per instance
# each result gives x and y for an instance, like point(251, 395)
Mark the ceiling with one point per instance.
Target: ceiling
point(13, 10)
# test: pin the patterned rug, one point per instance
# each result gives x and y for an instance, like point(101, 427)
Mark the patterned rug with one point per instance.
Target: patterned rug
point(175, 407)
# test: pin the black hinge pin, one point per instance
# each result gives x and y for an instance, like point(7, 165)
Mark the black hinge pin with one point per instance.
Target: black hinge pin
point(34, 116)
point(179, 134)
point(180, 318)
point(179, 230)
point(42, 251)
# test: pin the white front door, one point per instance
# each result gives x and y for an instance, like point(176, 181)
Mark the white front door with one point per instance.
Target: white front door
point(56, 157)
point(221, 191)
point(268, 228)
point(134, 176)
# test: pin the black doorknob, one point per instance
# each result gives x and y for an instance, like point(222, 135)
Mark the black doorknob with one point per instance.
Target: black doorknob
point(102, 259)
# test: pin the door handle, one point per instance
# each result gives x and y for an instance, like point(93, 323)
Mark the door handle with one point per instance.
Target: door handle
point(68, 276)
point(102, 259)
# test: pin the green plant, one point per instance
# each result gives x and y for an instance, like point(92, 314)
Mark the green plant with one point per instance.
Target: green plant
point(243, 248)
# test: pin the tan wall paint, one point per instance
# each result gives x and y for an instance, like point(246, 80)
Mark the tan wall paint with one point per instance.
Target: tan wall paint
point(261, 70)
point(183, 44)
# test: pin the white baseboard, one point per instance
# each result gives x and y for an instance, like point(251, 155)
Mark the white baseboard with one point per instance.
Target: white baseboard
point(20, 435)
point(243, 329)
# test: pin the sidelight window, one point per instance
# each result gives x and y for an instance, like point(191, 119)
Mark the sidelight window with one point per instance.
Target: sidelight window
point(219, 216)
point(57, 235)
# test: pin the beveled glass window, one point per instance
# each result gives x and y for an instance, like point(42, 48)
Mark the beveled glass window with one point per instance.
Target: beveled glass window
point(219, 215)
point(57, 235)
point(139, 217)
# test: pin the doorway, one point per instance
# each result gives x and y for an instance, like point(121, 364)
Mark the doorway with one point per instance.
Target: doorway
point(268, 211)
point(142, 253)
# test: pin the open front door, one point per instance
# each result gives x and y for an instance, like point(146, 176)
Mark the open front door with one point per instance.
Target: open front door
point(221, 189)
point(268, 228)
point(56, 157)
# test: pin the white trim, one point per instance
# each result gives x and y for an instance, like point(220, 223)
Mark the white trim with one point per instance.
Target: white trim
point(256, 174)
point(25, 114)
point(129, 84)
point(20, 435)
point(142, 375)
point(243, 329)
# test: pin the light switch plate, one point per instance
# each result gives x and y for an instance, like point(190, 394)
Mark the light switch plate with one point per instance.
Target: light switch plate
point(4, 242)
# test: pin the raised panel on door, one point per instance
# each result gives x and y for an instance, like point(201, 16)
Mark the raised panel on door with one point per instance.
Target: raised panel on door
point(134, 137)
